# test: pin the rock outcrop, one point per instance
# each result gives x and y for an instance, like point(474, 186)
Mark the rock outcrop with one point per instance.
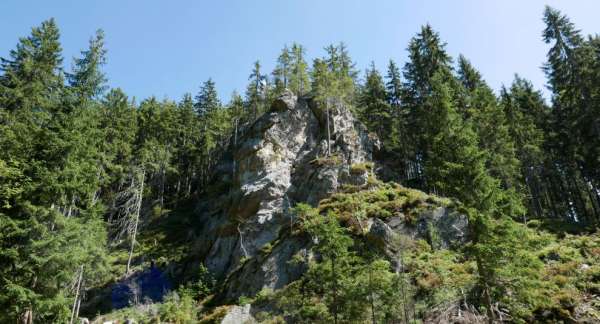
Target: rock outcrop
point(277, 162)
point(281, 160)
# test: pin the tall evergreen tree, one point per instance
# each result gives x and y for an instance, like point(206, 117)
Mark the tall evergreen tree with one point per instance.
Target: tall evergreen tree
point(393, 85)
point(44, 243)
point(574, 122)
point(87, 79)
point(427, 57)
point(525, 115)
point(299, 80)
point(256, 91)
point(283, 69)
point(207, 99)
point(489, 120)
point(374, 108)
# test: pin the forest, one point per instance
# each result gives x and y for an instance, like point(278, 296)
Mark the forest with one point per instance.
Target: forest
point(85, 170)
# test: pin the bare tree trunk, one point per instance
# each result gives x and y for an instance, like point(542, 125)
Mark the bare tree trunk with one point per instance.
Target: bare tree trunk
point(335, 306)
point(400, 272)
point(26, 317)
point(372, 298)
point(77, 309)
point(242, 242)
point(75, 302)
point(328, 132)
point(139, 194)
point(235, 134)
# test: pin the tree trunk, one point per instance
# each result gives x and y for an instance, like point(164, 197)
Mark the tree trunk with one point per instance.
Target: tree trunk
point(328, 132)
point(373, 321)
point(26, 317)
point(74, 310)
point(242, 242)
point(335, 306)
point(137, 219)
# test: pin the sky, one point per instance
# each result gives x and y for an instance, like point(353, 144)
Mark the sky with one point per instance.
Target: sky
point(167, 48)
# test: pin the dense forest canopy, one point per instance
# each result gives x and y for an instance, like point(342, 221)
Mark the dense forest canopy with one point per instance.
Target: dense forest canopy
point(83, 166)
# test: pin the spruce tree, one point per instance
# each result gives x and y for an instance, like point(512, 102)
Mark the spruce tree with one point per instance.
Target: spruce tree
point(374, 108)
point(283, 69)
point(87, 79)
point(255, 92)
point(574, 121)
point(299, 80)
point(525, 115)
point(393, 85)
point(207, 99)
point(489, 121)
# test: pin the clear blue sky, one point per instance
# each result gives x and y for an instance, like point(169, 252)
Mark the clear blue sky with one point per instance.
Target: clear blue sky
point(167, 48)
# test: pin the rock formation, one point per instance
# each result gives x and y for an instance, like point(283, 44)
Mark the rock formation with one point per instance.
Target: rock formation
point(277, 162)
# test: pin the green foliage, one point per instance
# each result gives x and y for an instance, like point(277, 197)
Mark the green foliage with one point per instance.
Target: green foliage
point(375, 111)
point(178, 308)
point(361, 168)
point(299, 78)
point(333, 77)
point(72, 152)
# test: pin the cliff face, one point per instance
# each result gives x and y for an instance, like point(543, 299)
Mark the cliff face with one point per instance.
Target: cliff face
point(279, 161)
point(282, 160)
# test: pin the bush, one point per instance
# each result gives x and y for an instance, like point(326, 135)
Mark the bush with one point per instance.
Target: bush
point(178, 308)
point(361, 168)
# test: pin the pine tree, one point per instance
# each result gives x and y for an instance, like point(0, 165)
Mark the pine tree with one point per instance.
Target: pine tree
point(427, 57)
point(574, 118)
point(490, 124)
point(207, 99)
point(87, 80)
point(44, 240)
point(283, 70)
point(374, 108)
point(525, 115)
point(393, 85)
point(299, 80)
point(343, 72)
point(31, 77)
point(255, 92)
point(187, 146)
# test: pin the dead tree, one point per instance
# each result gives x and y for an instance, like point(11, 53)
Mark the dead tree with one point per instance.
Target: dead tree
point(129, 206)
point(77, 301)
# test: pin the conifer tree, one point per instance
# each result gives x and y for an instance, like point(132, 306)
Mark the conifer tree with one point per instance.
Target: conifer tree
point(427, 57)
point(299, 81)
point(574, 120)
point(187, 146)
point(374, 108)
point(525, 115)
point(87, 79)
point(393, 85)
point(44, 243)
point(207, 99)
point(489, 121)
point(283, 69)
point(255, 92)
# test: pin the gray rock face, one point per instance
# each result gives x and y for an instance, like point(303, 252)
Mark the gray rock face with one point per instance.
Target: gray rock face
point(277, 162)
point(442, 227)
point(246, 233)
point(238, 315)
